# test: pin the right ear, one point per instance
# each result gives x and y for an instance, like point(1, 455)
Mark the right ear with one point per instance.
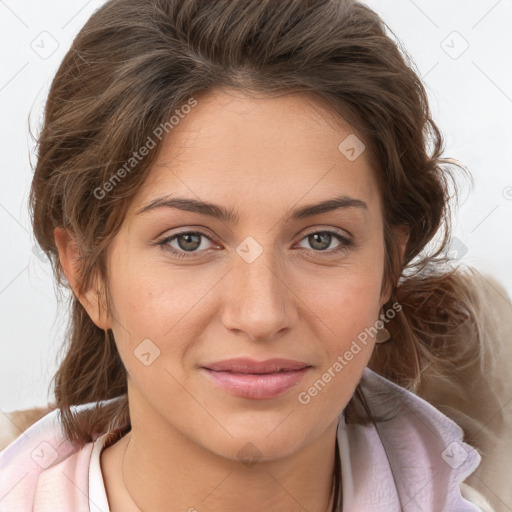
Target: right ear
point(401, 233)
point(90, 300)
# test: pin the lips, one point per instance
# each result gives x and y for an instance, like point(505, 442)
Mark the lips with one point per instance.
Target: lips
point(256, 380)
point(251, 366)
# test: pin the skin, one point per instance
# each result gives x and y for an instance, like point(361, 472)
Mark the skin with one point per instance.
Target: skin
point(262, 157)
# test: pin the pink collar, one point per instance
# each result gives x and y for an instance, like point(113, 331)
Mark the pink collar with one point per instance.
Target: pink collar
point(412, 463)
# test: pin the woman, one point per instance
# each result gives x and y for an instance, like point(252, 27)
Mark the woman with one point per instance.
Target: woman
point(239, 195)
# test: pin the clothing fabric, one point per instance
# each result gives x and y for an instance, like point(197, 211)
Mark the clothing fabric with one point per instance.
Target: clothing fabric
point(98, 501)
point(413, 461)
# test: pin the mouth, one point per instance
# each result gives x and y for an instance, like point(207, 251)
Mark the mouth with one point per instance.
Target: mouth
point(256, 380)
point(250, 366)
point(281, 370)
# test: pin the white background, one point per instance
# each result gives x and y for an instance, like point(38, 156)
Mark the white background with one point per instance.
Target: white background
point(471, 98)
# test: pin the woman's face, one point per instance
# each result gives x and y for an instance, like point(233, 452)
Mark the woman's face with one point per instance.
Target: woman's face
point(256, 284)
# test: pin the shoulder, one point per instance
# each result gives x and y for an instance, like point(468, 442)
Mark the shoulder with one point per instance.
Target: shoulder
point(41, 460)
point(416, 448)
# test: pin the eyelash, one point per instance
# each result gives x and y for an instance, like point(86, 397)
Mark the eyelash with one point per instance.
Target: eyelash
point(345, 243)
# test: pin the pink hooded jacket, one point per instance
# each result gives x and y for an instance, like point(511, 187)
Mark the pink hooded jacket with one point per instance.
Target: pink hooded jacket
point(414, 462)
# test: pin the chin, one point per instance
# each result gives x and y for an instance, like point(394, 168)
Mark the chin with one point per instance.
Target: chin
point(250, 447)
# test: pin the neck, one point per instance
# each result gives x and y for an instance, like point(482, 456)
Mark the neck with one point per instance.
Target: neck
point(188, 477)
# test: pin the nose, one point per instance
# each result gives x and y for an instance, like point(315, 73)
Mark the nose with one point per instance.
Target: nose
point(258, 300)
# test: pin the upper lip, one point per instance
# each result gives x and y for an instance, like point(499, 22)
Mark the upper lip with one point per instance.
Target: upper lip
point(245, 365)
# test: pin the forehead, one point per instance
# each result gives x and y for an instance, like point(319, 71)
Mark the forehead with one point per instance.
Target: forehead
point(261, 149)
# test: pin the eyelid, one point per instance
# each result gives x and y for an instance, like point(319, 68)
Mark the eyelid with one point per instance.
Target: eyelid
point(329, 229)
point(172, 236)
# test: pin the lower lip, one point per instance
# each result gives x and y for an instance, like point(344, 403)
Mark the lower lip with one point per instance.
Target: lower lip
point(257, 386)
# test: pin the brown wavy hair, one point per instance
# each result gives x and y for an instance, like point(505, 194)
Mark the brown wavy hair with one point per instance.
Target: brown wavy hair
point(135, 62)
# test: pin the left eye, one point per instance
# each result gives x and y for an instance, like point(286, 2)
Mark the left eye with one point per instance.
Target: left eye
point(189, 242)
point(321, 240)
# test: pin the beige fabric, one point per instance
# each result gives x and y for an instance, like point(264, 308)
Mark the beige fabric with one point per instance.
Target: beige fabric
point(485, 413)
point(475, 497)
point(13, 424)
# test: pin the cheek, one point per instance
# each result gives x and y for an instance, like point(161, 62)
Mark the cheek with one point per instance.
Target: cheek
point(153, 303)
point(345, 313)
point(138, 301)
point(348, 310)
point(348, 297)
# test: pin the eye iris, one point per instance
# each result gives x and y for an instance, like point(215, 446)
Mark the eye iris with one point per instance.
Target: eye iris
point(313, 238)
point(189, 246)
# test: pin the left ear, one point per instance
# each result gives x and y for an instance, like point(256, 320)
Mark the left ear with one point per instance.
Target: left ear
point(401, 234)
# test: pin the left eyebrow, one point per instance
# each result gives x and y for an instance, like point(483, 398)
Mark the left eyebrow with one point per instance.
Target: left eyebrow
point(232, 217)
